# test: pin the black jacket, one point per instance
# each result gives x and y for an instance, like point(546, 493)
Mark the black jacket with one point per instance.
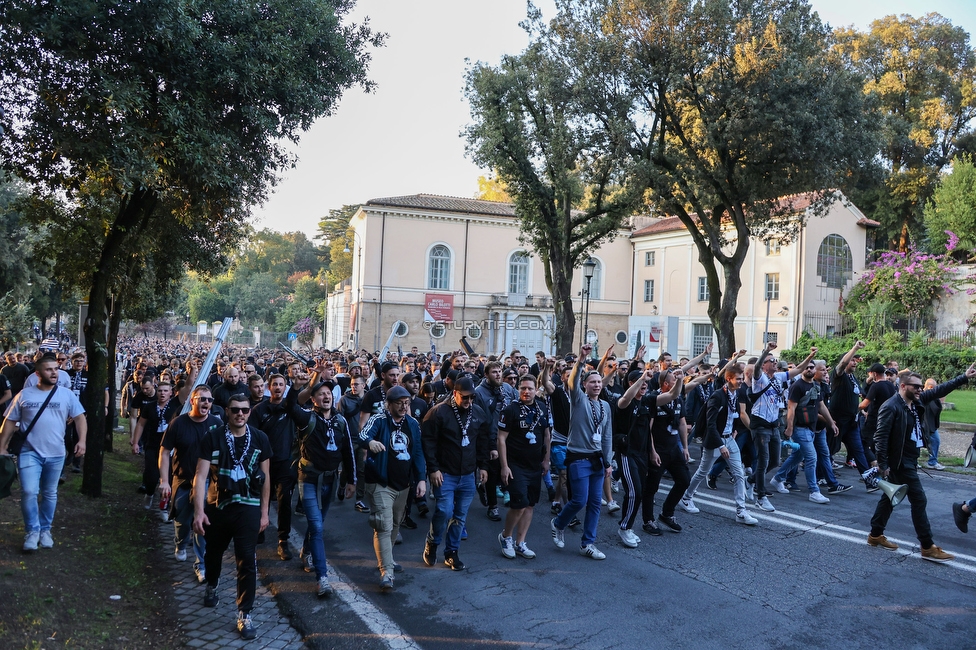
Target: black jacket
point(440, 434)
point(894, 422)
point(716, 417)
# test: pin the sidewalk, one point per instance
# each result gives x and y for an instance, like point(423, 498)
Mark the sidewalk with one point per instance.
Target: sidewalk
point(215, 628)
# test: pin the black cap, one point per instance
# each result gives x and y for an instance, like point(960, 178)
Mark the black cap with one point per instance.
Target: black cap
point(453, 375)
point(410, 376)
point(388, 366)
point(877, 368)
point(464, 385)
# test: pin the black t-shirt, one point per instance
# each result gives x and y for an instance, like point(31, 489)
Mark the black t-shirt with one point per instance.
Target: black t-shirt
point(418, 408)
point(665, 428)
point(845, 395)
point(374, 401)
point(79, 382)
point(559, 401)
point(16, 374)
point(526, 427)
point(183, 436)
point(879, 393)
point(631, 426)
point(807, 397)
point(156, 419)
point(235, 465)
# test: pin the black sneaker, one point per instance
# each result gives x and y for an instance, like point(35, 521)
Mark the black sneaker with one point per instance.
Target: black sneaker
point(651, 528)
point(483, 494)
point(452, 560)
point(409, 523)
point(493, 514)
point(430, 553)
point(361, 506)
point(283, 551)
point(711, 482)
point(556, 508)
point(422, 509)
point(961, 517)
point(246, 626)
point(299, 510)
point(574, 522)
point(552, 493)
point(837, 489)
point(791, 486)
point(670, 523)
point(211, 597)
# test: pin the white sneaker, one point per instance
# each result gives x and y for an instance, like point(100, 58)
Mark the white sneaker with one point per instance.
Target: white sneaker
point(508, 546)
point(688, 505)
point(779, 485)
point(751, 494)
point(147, 501)
point(613, 506)
point(164, 515)
point(557, 535)
point(46, 540)
point(30, 541)
point(743, 517)
point(615, 486)
point(603, 502)
point(816, 497)
point(628, 537)
point(524, 551)
point(180, 554)
point(764, 504)
point(592, 551)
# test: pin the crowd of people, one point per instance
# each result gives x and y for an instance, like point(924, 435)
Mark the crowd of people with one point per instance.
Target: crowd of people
point(416, 435)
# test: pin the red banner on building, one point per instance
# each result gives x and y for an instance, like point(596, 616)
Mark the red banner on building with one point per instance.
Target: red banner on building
point(438, 307)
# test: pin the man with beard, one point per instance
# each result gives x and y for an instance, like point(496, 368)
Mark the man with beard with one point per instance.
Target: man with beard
point(492, 396)
point(374, 402)
point(181, 450)
point(41, 412)
point(231, 385)
point(279, 418)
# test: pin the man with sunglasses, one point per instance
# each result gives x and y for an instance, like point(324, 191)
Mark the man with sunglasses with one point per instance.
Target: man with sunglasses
point(182, 440)
point(236, 460)
point(898, 439)
point(456, 437)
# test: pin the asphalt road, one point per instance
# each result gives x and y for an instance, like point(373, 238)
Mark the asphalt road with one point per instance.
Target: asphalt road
point(803, 578)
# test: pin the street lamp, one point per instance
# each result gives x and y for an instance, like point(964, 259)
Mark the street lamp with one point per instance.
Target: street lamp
point(359, 284)
point(589, 267)
point(325, 311)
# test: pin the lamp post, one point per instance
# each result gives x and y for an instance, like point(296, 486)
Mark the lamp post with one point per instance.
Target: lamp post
point(359, 284)
point(325, 312)
point(589, 266)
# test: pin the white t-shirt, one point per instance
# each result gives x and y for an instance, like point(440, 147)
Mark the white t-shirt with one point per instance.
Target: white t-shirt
point(64, 379)
point(47, 436)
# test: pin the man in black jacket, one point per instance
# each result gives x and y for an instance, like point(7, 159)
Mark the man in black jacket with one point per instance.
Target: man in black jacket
point(898, 439)
point(456, 437)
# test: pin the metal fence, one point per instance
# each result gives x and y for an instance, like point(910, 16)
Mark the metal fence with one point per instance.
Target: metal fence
point(825, 324)
point(830, 324)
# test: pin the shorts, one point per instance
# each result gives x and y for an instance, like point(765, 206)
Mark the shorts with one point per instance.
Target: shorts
point(524, 487)
point(557, 458)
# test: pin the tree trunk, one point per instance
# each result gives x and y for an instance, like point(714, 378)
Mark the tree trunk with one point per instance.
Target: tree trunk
point(560, 281)
point(115, 321)
point(132, 208)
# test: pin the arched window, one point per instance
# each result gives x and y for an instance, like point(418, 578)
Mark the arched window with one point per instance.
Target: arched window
point(439, 273)
point(597, 282)
point(835, 264)
point(518, 273)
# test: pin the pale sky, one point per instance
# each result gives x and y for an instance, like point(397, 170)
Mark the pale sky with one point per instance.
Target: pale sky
point(404, 138)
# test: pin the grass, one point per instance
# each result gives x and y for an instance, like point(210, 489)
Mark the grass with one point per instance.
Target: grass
point(59, 598)
point(965, 411)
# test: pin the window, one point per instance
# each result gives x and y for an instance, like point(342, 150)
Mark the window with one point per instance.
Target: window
point(518, 273)
point(702, 292)
point(649, 258)
point(439, 274)
point(596, 282)
point(835, 264)
point(770, 336)
point(437, 330)
point(772, 247)
point(648, 290)
point(772, 286)
point(701, 335)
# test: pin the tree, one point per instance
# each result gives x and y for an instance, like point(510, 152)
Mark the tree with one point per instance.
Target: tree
point(922, 71)
point(167, 99)
point(952, 208)
point(727, 110)
point(491, 188)
point(566, 179)
point(338, 242)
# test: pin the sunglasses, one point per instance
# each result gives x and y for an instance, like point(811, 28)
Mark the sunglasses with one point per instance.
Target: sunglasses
point(237, 410)
point(465, 398)
point(204, 399)
point(914, 385)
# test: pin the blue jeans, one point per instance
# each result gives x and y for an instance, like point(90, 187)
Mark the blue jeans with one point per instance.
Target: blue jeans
point(38, 478)
point(585, 484)
point(183, 524)
point(807, 453)
point(823, 458)
point(934, 442)
point(452, 500)
point(314, 516)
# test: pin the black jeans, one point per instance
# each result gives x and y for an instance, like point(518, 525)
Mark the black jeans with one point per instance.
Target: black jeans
point(768, 445)
point(283, 481)
point(673, 462)
point(907, 474)
point(240, 523)
point(494, 481)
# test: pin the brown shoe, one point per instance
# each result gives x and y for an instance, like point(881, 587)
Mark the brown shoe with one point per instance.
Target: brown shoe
point(883, 542)
point(936, 554)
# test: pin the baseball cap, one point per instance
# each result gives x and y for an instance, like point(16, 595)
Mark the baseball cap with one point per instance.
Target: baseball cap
point(877, 368)
point(464, 385)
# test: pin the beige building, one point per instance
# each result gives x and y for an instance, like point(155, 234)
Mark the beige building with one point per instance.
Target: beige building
point(462, 260)
point(791, 286)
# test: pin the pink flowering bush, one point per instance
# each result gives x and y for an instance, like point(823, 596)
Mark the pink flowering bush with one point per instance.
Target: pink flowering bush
point(305, 330)
point(908, 283)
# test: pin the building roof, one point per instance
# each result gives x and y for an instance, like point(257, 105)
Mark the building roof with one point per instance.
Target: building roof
point(446, 204)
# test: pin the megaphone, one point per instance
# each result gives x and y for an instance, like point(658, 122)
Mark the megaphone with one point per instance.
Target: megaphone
point(895, 493)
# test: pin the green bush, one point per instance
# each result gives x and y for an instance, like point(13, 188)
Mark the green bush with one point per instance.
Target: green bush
point(933, 359)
